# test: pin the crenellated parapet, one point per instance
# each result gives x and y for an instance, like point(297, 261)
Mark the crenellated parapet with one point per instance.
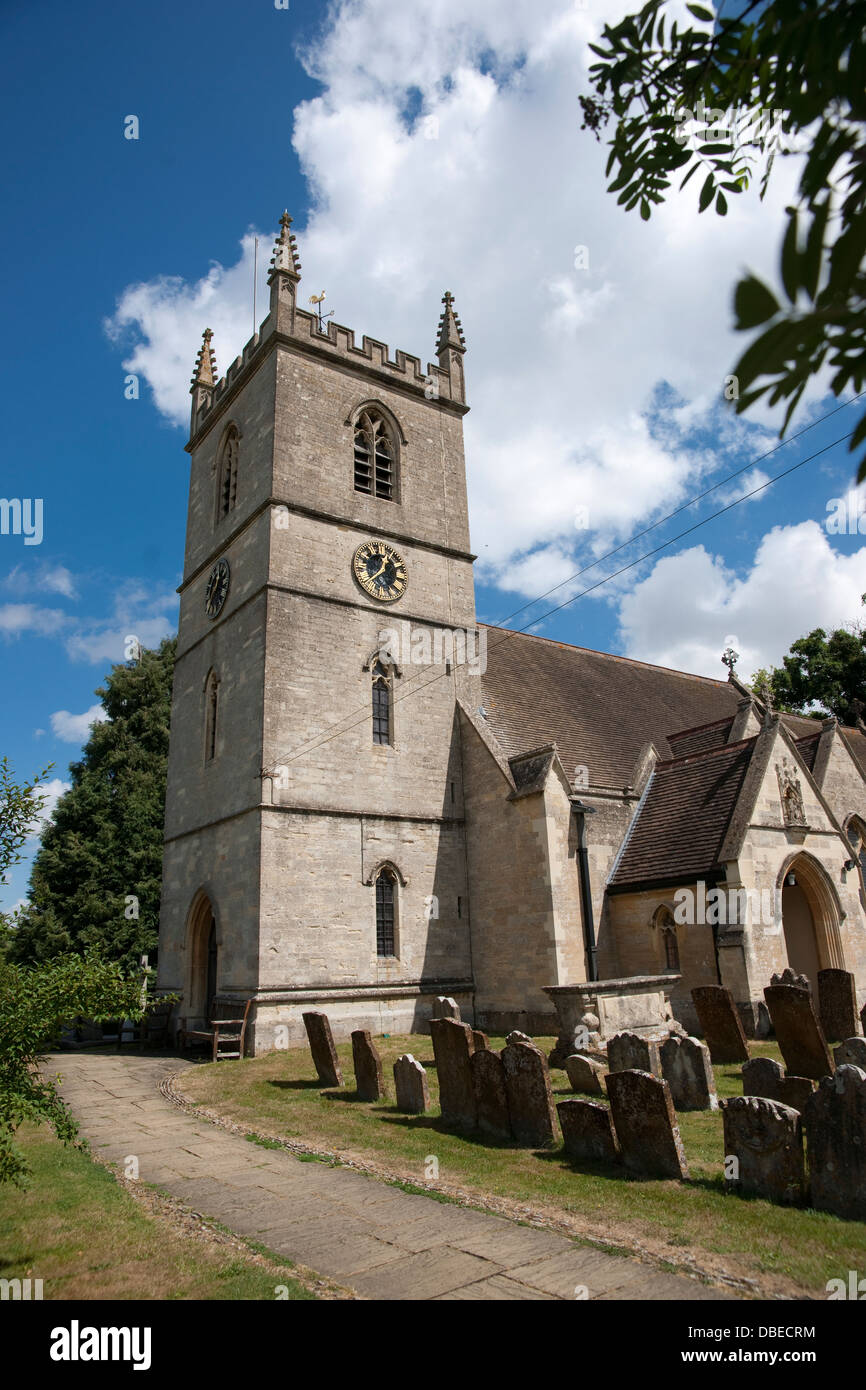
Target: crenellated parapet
point(285, 323)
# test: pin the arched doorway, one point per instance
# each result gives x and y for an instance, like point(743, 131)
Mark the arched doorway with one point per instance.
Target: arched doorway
point(810, 919)
point(202, 942)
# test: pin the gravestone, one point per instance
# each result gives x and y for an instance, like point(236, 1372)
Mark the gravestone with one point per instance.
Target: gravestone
point(790, 977)
point(481, 1040)
point(518, 1037)
point(368, 1066)
point(645, 1124)
point(453, 1046)
point(445, 1007)
point(835, 1125)
point(491, 1095)
point(687, 1069)
point(721, 1024)
point(410, 1085)
point(851, 1053)
point(766, 1139)
point(798, 1032)
point(587, 1131)
point(530, 1103)
point(764, 1077)
point(635, 1052)
point(322, 1047)
point(586, 1075)
point(837, 1004)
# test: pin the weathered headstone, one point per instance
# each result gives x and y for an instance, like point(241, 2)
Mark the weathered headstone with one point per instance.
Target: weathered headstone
point(410, 1085)
point(764, 1077)
point(790, 977)
point(445, 1007)
point(369, 1082)
point(687, 1069)
point(491, 1096)
point(721, 1024)
point(481, 1040)
point(515, 1037)
point(766, 1139)
point(322, 1047)
point(530, 1103)
point(835, 1125)
point(635, 1052)
point(587, 1131)
point(586, 1075)
point(851, 1053)
point(798, 1031)
point(646, 1125)
point(453, 1045)
point(837, 1004)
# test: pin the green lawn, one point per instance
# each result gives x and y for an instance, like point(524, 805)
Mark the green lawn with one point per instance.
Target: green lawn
point(787, 1251)
point(86, 1237)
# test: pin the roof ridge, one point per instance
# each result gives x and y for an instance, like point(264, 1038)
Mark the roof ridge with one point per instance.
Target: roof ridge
point(610, 656)
point(709, 752)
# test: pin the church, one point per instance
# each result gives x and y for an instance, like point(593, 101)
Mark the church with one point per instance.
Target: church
point(361, 825)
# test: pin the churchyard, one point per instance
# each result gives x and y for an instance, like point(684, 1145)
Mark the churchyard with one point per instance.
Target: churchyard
point(654, 1181)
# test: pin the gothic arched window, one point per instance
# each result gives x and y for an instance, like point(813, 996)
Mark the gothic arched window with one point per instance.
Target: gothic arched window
point(227, 472)
point(381, 704)
point(385, 893)
point(672, 949)
point(211, 715)
point(375, 456)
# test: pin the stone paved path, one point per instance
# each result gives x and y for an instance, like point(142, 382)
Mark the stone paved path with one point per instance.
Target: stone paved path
point(382, 1242)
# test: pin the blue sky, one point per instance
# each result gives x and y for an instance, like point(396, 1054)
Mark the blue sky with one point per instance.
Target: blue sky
point(412, 159)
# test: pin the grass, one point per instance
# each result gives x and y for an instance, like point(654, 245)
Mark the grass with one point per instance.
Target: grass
point(787, 1251)
point(86, 1236)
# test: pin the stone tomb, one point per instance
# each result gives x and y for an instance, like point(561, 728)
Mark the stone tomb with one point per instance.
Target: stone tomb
point(587, 1131)
point(369, 1082)
point(835, 1125)
point(322, 1047)
point(766, 1138)
point(687, 1069)
point(491, 1094)
point(530, 1103)
point(646, 1125)
point(764, 1077)
point(410, 1085)
point(721, 1024)
point(591, 1013)
point(453, 1045)
point(798, 1032)
point(837, 1005)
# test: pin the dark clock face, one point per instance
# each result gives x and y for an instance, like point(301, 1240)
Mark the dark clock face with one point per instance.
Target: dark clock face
point(217, 588)
point(380, 571)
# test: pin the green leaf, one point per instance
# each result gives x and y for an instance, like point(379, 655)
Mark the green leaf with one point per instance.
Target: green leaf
point(700, 13)
point(790, 260)
point(721, 204)
point(706, 193)
point(753, 303)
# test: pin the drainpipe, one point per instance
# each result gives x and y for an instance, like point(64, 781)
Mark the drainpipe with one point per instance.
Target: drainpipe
point(580, 812)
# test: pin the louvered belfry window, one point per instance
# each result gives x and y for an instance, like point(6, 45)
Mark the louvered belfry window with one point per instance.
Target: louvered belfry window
point(381, 705)
point(374, 457)
point(385, 914)
point(229, 472)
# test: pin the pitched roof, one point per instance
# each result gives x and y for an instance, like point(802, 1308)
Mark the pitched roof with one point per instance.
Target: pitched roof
point(601, 710)
point(684, 818)
point(808, 748)
point(855, 742)
point(698, 740)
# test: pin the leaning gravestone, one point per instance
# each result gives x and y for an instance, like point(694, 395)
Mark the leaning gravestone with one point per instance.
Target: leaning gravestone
point(323, 1049)
point(764, 1077)
point(491, 1096)
point(410, 1085)
point(530, 1103)
point(453, 1046)
point(587, 1131)
point(635, 1052)
point(766, 1139)
point(585, 1074)
point(837, 1004)
point(851, 1053)
point(835, 1125)
point(687, 1069)
point(798, 1032)
point(368, 1066)
point(445, 1007)
point(645, 1124)
point(721, 1024)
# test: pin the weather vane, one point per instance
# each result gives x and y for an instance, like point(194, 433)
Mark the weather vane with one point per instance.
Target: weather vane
point(730, 658)
point(317, 300)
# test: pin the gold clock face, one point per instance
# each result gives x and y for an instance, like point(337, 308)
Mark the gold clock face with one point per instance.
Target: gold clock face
point(380, 571)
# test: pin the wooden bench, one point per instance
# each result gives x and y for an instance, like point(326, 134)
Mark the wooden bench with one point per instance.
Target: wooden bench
point(225, 1035)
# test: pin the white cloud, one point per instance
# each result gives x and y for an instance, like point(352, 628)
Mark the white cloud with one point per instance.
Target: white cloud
point(691, 606)
point(562, 362)
point(18, 618)
point(74, 728)
point(52, 579)
point(137, 613)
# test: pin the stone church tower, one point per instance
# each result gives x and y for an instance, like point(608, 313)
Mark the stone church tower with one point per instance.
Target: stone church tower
point(314, 842)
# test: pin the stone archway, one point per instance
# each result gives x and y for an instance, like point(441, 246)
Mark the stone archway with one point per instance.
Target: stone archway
point(811, 918)
point(202, 945)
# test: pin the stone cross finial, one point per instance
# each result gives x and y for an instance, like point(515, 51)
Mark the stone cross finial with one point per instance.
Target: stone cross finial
point(450, 331)
point(285, 257)
point(730, 659)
